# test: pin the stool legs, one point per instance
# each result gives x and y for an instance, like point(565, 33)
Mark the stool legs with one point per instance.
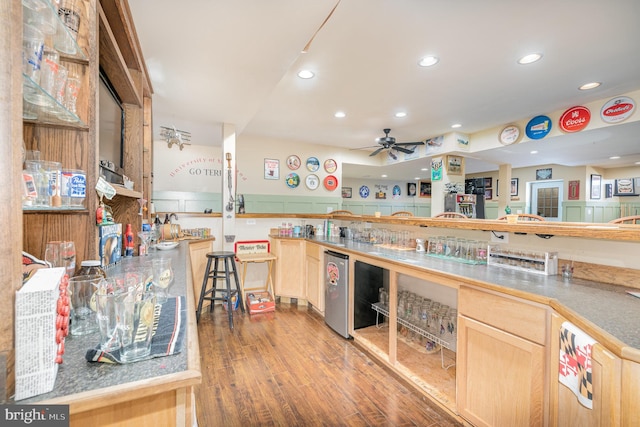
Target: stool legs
point(215, 274)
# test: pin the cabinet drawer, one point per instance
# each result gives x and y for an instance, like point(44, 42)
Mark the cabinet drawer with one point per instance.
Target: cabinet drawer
point(510, 314)
point(313, 250)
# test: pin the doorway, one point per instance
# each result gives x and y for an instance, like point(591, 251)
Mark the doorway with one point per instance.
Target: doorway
point(546, 199)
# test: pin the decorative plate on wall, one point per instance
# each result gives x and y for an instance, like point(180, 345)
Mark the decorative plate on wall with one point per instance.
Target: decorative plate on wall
point(293, 162)
point(313, 164)
point(364, 191)
point(330, 165)
point(292, 180)
point(331, 183)
point(312, 182)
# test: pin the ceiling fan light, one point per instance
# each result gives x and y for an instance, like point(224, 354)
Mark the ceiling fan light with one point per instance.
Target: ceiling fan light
point(428, 61)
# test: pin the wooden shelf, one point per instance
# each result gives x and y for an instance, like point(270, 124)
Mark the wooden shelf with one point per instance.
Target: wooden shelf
point(125, 192)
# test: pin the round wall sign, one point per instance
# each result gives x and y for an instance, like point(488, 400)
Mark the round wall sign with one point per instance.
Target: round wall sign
point(292, 180)
point(313, 164)
point(364, 191)
point(312, 182)
point(509, 135)
point(330, 165)
point(331, 183)
point(617, 109)
point(293, 162)
point(575, 119)
point(538, 127)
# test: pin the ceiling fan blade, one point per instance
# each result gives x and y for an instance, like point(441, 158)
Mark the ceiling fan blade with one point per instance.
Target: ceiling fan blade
point(409, 143)
point(364, 148)
point(402, 149)
point(376, 152)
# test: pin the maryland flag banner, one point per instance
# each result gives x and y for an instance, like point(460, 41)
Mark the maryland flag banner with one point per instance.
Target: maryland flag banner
point(575, 363)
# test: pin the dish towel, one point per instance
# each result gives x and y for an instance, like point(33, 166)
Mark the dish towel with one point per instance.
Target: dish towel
point(575, 363)
point(170, 328)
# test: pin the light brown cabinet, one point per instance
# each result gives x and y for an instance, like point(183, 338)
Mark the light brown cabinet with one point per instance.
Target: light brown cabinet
point(290, 278)
point(315, 285)
point(501, 360)
point(606, 368)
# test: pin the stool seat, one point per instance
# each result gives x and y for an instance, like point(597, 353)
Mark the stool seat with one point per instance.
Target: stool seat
point(226, 294)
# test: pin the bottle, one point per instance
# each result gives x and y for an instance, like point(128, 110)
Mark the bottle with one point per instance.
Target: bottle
point(166, 219)
point(157, 221)
point(128, 241)
point(507, 210)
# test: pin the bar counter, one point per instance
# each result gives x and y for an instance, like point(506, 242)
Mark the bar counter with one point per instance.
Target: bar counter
point(158, 389)
point(605, 311)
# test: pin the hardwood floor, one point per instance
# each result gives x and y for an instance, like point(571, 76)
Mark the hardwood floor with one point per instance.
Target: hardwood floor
point(289, 369)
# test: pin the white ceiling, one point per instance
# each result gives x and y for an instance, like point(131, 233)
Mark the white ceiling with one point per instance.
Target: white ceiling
point(215, 61)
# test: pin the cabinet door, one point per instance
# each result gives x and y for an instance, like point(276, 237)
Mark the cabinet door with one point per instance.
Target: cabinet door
point(198, 261)
point(566, 411)
point(314, 288)
point(500, 377)
point(290, 277)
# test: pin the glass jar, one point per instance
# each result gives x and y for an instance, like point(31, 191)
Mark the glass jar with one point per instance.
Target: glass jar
point(91, 267)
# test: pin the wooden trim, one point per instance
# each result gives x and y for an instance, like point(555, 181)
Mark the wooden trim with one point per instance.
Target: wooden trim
point(620, 276)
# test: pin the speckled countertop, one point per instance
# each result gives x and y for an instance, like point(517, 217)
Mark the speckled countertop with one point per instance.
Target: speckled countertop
point(605, 307)
point(76, 375)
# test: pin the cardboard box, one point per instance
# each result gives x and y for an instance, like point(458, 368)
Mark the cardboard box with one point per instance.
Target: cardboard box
point(260, 302)
point(110, 249)
point(35, 333)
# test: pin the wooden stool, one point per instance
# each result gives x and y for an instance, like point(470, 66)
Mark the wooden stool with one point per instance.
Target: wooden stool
point(228, 258)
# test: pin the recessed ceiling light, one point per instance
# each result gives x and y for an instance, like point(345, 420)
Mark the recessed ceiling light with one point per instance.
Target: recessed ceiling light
point(400, 114)
point(340, 114)
point(614, 157)
point(456, 125)
point(424, 169)
point(305, 74)
point(383, 175)
point(418, 178)
point(637, 163)
point(533, 152)
point(528, 59)
point(428, 61)
point(591, 85)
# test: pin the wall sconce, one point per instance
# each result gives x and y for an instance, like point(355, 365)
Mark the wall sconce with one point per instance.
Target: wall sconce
point(175, 136)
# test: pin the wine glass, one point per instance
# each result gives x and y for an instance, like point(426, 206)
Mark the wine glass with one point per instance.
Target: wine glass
point(145, 237)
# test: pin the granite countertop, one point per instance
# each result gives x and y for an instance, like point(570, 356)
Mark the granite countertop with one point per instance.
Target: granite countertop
point(76, 375)
point(607, 307)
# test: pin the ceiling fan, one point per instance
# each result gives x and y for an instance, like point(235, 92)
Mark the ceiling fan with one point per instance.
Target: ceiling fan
point(175, 136)
point(389, 143)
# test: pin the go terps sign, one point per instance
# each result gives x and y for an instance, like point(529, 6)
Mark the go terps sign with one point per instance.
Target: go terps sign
point(575, 119)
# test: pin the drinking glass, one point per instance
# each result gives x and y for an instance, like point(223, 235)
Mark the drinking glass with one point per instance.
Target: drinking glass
point(83, 312)
point(135, 310)
point(162, 277)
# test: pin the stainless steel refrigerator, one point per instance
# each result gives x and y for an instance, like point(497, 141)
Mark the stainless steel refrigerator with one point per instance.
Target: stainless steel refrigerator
point(336, 292)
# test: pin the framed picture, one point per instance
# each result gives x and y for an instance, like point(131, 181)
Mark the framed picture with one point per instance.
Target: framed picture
point(624, 187)
point(514, 186)
point(425, 189)
point(543, 173)
point(596, 184)
point(455, 165)
point(487, 183)
point(381, 195)
point(574, 190)
point(488, 193)
point(412, 189)
point(608, 191)
point(271, 169)
point(346, 192)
